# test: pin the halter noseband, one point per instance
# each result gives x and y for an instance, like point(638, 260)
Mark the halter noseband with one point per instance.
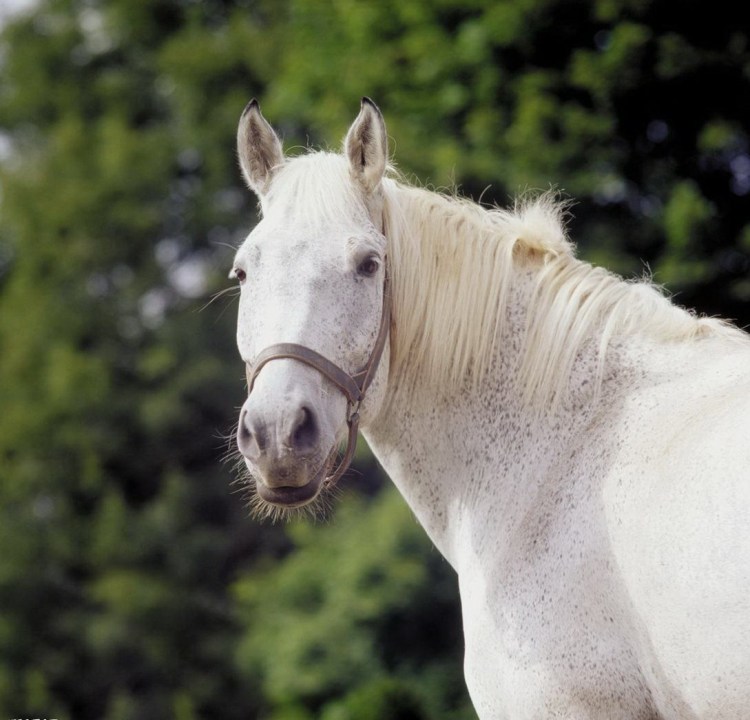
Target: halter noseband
point(353, 386)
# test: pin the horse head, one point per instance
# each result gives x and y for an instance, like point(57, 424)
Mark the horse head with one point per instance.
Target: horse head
point(313, 311)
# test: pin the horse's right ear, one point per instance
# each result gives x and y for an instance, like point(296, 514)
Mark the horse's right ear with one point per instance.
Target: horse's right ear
point(259, 149)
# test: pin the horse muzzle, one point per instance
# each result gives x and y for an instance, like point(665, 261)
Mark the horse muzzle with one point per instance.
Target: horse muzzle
point(285, 451)
point(290, 496)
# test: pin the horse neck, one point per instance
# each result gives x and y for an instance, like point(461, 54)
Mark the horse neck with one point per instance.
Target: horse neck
point(476, 456)
point(462, 456)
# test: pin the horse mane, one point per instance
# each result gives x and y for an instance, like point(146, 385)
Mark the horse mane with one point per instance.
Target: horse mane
point(453, 264)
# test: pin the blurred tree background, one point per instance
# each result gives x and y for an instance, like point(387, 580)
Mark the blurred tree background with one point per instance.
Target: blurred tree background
point(132, 582)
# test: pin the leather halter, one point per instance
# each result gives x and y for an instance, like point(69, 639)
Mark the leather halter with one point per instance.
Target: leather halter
point(353, 386)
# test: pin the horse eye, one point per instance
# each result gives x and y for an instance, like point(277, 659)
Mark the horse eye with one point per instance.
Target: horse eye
point(239, 274)
point(368, 267)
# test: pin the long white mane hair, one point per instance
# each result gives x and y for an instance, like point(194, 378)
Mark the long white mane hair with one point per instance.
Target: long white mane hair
point(453, 263)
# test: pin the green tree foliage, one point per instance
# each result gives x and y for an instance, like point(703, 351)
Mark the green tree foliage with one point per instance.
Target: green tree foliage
point(132, 584)
point(362, 614)
point(622, 104)
point(119, 533)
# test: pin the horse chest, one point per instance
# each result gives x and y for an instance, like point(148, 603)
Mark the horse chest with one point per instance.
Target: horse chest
point(542, 643)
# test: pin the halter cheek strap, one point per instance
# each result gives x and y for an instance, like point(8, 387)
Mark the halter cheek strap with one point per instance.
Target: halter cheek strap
point(353, 386)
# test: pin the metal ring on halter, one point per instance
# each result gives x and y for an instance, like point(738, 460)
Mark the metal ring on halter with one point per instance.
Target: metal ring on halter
point(353, 386)
point(353, 411)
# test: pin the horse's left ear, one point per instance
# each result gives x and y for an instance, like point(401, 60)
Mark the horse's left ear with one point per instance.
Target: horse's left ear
point(366, 146)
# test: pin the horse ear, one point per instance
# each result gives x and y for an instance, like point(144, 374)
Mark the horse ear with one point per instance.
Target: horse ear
point(366, 146)
point(258, 147)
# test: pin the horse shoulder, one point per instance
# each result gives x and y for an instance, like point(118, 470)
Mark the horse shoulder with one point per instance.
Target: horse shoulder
point(676, 502)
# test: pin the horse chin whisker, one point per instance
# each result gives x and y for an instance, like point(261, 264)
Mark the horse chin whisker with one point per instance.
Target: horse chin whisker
point(318, 509)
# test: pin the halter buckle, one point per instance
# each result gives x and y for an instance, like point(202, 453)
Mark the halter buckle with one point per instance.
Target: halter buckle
point(352, 413)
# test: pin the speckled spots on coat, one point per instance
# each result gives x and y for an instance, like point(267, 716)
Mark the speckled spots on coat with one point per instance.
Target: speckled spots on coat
point(594, 535)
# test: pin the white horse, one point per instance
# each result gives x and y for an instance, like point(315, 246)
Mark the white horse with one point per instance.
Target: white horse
point(576, 446)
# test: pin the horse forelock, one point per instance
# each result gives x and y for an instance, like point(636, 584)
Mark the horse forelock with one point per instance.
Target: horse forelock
point(317, 187)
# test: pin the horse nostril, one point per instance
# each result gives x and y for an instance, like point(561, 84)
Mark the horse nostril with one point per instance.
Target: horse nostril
point(250, 440)
point(293, 431)
point(304, 432)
